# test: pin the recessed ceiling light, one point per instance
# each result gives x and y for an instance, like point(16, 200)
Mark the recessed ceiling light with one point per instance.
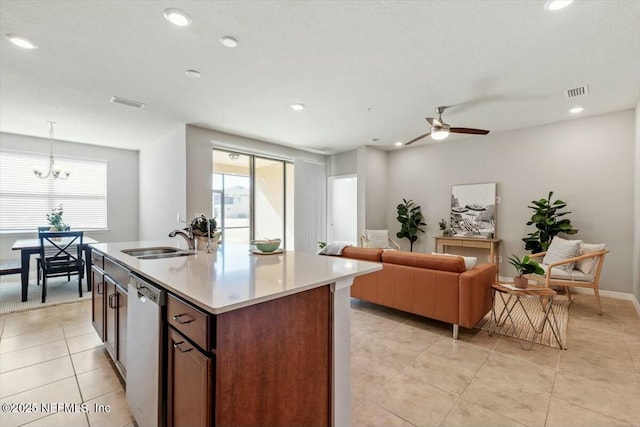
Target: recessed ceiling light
point(229, 41)
point(193, 73)
point(298, 107)
point(177, 17)
point(398, 144)
point(576, 110)
point(21, 41)
point(556, 4)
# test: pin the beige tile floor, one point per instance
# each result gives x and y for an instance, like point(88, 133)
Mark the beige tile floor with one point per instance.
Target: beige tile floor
point(52, 355)
point(406, 371)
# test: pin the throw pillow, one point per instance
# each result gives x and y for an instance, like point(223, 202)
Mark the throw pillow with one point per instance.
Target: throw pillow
point(585, 265)
point(561, 249)
point(378, 239)
point(469, 261)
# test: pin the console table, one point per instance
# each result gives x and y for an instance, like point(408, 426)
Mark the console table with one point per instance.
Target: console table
point(472, 242)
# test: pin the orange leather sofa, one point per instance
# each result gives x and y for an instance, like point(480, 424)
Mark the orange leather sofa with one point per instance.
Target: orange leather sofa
point(434, 286)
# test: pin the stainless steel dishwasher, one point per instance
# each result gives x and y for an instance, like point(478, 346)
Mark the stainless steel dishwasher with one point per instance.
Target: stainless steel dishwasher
point(146, 337)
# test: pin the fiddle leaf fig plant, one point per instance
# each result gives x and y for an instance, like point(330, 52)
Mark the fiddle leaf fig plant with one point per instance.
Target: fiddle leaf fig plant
point(546, 218)
point(411, 220)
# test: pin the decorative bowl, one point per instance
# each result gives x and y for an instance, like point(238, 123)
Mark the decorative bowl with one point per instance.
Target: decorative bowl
point(267, 245)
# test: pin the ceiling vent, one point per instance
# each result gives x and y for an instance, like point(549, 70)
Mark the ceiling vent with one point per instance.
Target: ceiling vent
point(577, 91)
point(127, 102)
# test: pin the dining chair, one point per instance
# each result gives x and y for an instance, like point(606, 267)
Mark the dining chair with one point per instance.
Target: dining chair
point(40, 229)
point(60, 254)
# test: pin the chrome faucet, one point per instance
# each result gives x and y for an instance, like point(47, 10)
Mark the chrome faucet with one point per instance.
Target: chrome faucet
point(188, 236)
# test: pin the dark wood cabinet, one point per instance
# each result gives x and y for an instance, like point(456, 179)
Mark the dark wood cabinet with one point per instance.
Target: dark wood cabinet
point(115, 322)
point(97, 307)
point(121, 339)
point(189, 384)
point(111, 316)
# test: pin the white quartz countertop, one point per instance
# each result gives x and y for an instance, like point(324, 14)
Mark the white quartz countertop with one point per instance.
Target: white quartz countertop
point(232, 277)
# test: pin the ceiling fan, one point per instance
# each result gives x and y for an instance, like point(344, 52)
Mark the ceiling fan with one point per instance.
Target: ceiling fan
point(440, 130)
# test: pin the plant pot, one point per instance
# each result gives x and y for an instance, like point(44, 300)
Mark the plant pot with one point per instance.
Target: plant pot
point(201, 243)
point(520, 282)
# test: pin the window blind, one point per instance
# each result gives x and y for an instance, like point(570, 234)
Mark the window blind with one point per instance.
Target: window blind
point(25, 200)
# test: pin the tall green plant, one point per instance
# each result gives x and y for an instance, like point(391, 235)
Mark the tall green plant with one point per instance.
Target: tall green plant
point(545, 217)
point(411, 219)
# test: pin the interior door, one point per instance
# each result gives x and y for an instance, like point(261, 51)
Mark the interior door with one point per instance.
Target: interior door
point(342, 210)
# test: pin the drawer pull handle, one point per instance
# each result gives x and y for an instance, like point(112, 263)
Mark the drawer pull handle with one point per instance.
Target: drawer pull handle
point(100, 290)
point(182, 322)
point(182, 350)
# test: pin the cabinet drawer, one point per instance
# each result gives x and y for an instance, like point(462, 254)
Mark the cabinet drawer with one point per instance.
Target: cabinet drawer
point(118, 273)
point(97, 259)
point(193, 323)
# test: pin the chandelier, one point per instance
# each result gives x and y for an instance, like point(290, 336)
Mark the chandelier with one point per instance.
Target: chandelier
point(54, 171)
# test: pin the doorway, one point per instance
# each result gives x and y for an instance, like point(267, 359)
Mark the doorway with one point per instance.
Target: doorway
point(342, 218)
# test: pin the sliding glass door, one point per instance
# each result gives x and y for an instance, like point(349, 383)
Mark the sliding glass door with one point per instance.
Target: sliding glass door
point(253, 197)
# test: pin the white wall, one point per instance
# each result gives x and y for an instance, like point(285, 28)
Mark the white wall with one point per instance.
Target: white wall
point(162, 185)
point(636, 215)
point(588, 162)
point(376, 189)
point(345, 163)
point(122, 186)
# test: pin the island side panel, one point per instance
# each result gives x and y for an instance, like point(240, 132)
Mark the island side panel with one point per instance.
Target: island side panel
point(273, 362)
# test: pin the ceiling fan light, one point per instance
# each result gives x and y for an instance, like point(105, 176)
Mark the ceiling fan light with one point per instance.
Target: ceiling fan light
point(440, 134)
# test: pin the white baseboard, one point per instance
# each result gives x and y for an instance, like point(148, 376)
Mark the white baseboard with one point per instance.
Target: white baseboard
point(603, 293)
point(610, 294)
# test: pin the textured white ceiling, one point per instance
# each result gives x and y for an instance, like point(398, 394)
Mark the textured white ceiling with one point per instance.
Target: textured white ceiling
point(507, 62)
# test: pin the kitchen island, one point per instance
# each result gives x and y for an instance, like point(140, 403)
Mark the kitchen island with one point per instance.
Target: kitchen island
point(249, 339)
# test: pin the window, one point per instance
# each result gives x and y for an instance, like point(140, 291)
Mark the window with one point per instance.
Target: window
point(253, 197)
point(25, 200)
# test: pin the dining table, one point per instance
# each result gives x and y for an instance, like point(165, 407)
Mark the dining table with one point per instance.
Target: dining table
point(28, 247)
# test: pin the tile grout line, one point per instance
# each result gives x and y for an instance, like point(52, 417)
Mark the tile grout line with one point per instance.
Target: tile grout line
point(75, 376)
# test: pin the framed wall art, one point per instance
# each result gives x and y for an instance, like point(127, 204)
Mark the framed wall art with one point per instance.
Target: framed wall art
point(473, 210)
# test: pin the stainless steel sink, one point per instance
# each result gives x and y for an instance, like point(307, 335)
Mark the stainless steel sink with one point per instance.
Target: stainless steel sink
point(169, 255)
point(156, 252)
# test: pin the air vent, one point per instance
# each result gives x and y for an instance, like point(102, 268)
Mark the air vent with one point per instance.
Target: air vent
point(127, 102)
point(577, 91)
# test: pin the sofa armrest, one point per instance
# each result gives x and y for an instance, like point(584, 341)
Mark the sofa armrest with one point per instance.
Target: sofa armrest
point(475, 294)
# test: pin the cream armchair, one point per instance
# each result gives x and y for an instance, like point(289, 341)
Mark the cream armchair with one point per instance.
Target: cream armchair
point(573, 278)
point(378, 239)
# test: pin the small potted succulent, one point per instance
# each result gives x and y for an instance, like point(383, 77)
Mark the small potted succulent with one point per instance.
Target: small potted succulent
point(204, 231)
point(524, 266)
point(55, 219)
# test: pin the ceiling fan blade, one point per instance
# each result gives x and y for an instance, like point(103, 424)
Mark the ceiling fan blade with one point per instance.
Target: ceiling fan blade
point(418, 138)
point(433, 121)
point(469, 130)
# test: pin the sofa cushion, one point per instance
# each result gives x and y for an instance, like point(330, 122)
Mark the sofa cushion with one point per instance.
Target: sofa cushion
point(469, 261)
point(561, 249)
point(586, 265)
point(453, 264)
point(364, 254)
point(562, 274)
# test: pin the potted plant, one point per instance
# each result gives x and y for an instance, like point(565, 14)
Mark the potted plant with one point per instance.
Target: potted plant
point(55, 219)
point(410, 218)
point(545, 218)
point(524, 266)
point(204, 231)
point(444, 227)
